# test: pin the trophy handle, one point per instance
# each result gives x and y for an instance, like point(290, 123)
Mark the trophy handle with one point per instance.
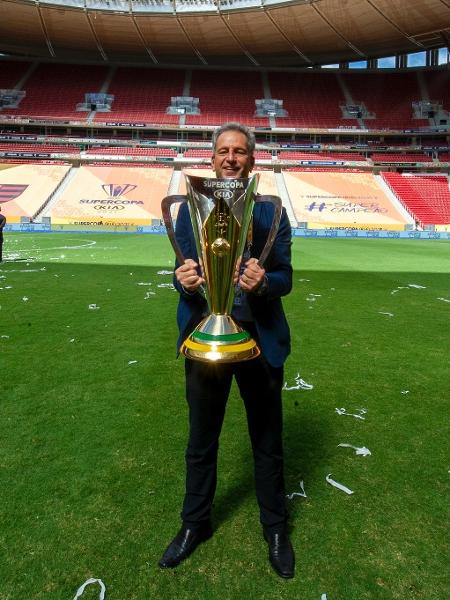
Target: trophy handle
point(166, 205)
point(276, 201)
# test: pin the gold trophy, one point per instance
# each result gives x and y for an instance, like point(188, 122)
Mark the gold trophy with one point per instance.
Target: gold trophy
point(221, 215)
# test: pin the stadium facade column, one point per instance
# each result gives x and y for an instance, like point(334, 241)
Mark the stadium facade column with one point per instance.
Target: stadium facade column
point(401, 61)
point(432, 58)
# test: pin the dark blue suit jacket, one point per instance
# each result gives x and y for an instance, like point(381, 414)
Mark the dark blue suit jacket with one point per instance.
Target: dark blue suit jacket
point(267, 309)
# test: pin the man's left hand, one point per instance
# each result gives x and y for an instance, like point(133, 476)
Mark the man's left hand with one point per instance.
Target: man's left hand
point(252, 277)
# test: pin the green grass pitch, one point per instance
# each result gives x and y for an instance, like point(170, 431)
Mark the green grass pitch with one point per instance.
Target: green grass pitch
point(93, 425)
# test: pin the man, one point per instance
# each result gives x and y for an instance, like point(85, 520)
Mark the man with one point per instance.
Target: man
point(259, 380)
point(2, 224)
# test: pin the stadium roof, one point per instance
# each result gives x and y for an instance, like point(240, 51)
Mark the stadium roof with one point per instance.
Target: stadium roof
point(238, 33)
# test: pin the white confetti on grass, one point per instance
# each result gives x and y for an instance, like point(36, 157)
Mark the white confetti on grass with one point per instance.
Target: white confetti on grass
point(389, 314)
point(17, 258)
point(301, 493)
point(312, 297)
point(164, 272)
point(149, 295)
point(300, 384)
point(25, 270)
point(360, 412)
point(25, 299)
point(409, 286)
point(132, 362)
point(61, 257)
point(93, 307)
point(90, 581)
point(358, 451)
point(166, 285)
point(337, 485)
point(404, 392)
point(443, 299)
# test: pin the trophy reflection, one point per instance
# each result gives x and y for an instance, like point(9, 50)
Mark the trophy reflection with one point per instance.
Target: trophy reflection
point(221, 214)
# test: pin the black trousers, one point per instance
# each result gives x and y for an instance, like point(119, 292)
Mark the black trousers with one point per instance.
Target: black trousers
point(207, 390)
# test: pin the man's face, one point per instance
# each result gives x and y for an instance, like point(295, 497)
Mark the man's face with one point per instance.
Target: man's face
point(231, 157)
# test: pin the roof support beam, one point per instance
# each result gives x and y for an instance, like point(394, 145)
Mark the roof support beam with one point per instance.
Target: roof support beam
point(45, 32)
point(251, 58)
point(286, 37)
point(94, 33)
point(191, 43)
point(141, 36)
point(408, 37)
point(337, 32)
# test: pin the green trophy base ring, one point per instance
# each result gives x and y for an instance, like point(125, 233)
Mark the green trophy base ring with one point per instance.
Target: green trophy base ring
point(218, 339)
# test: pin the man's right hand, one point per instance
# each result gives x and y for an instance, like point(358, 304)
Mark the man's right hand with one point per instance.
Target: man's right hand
point(188, 277)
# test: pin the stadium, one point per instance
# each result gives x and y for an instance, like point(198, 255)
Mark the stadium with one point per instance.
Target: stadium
point(104, 106)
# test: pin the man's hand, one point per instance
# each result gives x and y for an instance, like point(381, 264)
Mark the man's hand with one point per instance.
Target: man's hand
point(252, 277)
point(237, 268)
point(188, 276)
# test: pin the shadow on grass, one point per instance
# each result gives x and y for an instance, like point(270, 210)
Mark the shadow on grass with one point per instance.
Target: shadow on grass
point(229, 503)
point(306, 445)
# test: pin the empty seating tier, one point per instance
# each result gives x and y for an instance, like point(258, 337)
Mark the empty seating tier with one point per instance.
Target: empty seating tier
point(143, 95)
point(11, 72)
point(226, 98)
point(401, 158)
point(427, 197)
point(311, 99)
point(55, 90)
point(389, 96)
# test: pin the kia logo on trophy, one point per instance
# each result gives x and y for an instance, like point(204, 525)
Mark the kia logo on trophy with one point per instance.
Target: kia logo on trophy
point(223, 194)
point(221, 212)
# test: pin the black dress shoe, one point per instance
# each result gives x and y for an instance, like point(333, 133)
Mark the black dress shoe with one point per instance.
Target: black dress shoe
point(281, 554)
point(183, 544)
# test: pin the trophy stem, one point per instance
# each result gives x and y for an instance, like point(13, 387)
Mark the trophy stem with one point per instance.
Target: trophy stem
point(218, 338)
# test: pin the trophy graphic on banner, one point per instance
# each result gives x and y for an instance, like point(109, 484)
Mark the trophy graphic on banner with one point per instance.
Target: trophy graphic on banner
point(221, 215)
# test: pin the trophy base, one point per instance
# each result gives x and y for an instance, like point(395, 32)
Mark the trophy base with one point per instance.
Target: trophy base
point(219, 339)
